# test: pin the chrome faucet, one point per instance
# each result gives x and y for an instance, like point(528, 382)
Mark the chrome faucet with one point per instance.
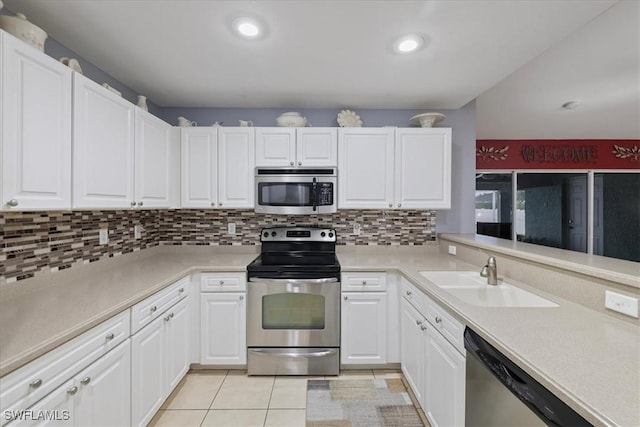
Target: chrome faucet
point(490, 271)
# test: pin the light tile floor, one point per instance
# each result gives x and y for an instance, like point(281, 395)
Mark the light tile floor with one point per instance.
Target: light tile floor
point(231, 398)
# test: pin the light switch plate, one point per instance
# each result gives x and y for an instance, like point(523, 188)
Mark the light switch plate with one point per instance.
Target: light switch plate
point(621, 303)
point(357, 229)
point(231, 228)
point(137, 231)
point(103, 236)
point(452, 250)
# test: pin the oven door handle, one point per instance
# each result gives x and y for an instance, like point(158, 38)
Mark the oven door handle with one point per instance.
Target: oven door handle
point(300, 281)
point(321, 353)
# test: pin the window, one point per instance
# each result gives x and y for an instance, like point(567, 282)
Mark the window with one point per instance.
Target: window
point(553, 209)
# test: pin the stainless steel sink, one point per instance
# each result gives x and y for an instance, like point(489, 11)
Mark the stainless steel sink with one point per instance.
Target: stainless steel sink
point(469, 287)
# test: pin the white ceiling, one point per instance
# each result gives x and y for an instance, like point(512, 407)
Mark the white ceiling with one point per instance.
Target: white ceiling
point(337, 53)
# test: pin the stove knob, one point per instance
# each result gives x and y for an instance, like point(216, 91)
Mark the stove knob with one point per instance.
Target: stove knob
point(266, 234)
point(273, 234)
point(323, 234)
point(330, 234)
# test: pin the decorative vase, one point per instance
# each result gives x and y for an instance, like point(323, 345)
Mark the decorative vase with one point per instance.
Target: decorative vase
point(142, 102)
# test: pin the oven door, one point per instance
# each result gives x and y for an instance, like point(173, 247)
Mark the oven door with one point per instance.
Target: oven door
point(293, 312)
point(295, 194)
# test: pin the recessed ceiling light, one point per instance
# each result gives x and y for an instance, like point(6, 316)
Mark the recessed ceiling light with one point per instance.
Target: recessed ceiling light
point(248, 28)
point(408, 44)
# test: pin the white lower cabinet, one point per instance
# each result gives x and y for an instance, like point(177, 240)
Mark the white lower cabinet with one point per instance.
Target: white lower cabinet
point(363, 330)
point(223, 317)
point(160, 358)
point(433, 365)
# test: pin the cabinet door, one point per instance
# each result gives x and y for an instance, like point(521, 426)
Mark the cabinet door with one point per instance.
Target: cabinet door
point(236, 166)
point(104, 395)
point(177, 342)
point(317, 147)
point(365, 168)
point(56, 409)
point(411, 354)
point(148, 362)
point(152, 160)
point(199, 149)
point(36, 129)
point(364, 328)
point(423, 168)
point(275, 146)
point(223, 329)
point(444, 382)
point(103, 147)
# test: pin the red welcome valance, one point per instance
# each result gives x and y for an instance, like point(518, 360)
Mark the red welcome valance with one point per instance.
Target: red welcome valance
point(557, 154)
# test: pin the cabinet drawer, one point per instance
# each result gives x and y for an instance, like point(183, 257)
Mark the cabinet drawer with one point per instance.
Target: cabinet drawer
point(446, 324)
point(412, 294)
point(364, 281)
point(25, 386)
point(146, 310)
point(223, 282)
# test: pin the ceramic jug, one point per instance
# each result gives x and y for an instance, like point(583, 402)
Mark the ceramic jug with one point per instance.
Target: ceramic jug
point(184, 122)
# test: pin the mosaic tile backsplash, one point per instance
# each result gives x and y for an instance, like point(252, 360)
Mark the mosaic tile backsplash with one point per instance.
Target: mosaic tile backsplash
point(33, 242)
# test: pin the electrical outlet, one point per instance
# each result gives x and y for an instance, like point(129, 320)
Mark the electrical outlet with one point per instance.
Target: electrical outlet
point(103, 236)
point(452, 250)
point(357, 229)
point(231, 228)
point(137, 231)
point(621, 303)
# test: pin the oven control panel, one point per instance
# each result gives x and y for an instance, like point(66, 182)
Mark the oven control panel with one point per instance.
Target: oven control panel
point(298, 234)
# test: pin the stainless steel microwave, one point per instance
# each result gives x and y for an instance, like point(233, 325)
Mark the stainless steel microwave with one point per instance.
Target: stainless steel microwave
point(296, 191)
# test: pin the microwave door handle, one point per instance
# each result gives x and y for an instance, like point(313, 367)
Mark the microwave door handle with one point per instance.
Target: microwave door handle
point(314, 194)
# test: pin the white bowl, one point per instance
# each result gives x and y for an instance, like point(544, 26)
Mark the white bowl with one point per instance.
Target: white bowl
point(427, 120)
point(24, 30)
point(291, 120)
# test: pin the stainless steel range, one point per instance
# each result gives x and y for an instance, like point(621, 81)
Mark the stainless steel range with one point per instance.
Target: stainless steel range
point(293, 303)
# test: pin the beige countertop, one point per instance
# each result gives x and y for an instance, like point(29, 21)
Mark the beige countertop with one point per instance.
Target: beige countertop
point(588, 359)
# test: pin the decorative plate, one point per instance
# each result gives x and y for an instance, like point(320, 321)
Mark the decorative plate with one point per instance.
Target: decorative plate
point(349, 119)
point(427, 120)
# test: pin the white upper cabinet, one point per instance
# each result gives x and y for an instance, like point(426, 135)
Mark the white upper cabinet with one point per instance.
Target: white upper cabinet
point(423, 168)
point(283, 146)
point(153, 149)
point(365, 168)
point(199, 154)
point(236, 163)
point(35, 128)
point(405, 169)
point(217, 167)
point(103, 160)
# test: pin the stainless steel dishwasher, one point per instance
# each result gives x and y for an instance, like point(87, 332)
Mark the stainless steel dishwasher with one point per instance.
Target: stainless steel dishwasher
point(499, 393)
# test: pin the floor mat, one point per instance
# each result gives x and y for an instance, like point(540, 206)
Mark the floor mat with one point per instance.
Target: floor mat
point(355, 403)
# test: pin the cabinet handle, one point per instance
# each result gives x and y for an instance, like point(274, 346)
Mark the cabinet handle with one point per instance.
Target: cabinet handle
point(408, 293)
point(213, 203)
point(85, 380)
point(399, 204)
point(12, 203)
point(133, 204)
point(422, 327)
point(153, 308)
point(167, 318)
point(73, 390)
point(299, 163)
point(390, 205)
point(110, 336)
point(241, 297)
point(35, 383)
point(290, 163)
point(418, 322)
point(438, 319)
point(140, 203)
point(220, 204)
point(221, 282)
point(364, 282)
point(171, 315)
point(346, 297)
point(181, 290)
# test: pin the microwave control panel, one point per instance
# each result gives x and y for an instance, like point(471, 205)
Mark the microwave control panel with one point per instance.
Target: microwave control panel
point(325, 194)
